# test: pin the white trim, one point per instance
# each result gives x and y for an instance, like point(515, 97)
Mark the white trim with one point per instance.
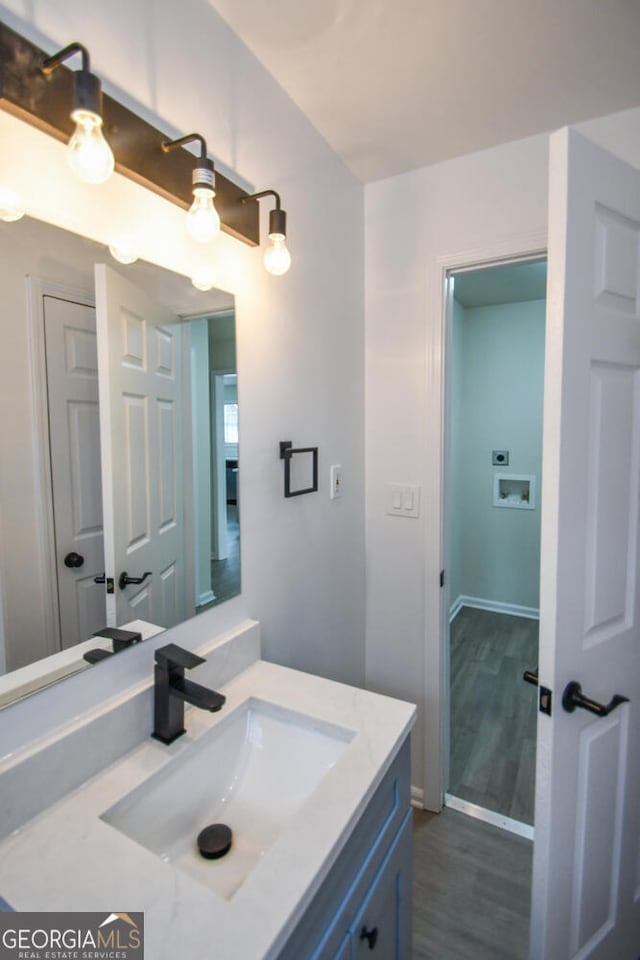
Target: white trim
point(496, 606)
point(456, 607)
point(417, 797)
point(435, 662)
point(489, 816)
point(205, 598)
point(37, 289)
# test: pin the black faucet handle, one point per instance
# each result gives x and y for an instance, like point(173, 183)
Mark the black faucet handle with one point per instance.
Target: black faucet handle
point(171, 655)
point(121, 638)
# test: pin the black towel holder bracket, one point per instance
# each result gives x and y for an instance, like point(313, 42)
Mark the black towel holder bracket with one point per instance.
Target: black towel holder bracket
point(287, 451)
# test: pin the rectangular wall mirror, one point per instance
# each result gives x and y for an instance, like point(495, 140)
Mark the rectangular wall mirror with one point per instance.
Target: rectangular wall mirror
point(119, 438)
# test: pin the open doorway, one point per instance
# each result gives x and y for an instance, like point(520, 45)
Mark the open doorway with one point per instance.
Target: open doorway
point(496, 326)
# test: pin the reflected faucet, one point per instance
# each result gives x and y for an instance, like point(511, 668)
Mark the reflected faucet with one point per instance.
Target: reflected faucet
point(121, 640)
point(172, 690)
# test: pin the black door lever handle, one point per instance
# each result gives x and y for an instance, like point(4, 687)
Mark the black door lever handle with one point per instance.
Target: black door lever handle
point(124, 579)
point(531, 677)
point(573, 697)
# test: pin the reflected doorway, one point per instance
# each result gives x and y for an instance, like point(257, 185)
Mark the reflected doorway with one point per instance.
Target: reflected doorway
point(496, 329)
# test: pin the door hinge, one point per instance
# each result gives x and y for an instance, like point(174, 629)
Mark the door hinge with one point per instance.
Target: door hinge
point(442, 578)
point(545, 700)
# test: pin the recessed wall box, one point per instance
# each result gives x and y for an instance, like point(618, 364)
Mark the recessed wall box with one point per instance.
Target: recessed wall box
point(514, 490)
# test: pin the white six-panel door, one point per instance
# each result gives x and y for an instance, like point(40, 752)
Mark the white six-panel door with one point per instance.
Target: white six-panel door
point(140, 362)
point(74, 440)
point(586, 901)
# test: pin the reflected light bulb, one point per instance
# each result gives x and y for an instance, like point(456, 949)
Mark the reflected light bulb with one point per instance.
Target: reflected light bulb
point(10, 209)
point(123, 252)
point(88, 152)
point(204, 278)
point(277, 258)
point(203, 221)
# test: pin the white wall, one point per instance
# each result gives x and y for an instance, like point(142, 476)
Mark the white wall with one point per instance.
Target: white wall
point(501, 366)
point(300, 337)
point(494, 200)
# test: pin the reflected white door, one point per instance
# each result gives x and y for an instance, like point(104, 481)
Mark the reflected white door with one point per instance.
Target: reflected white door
point(586, 901)
point(141, 416)
point(74, 439)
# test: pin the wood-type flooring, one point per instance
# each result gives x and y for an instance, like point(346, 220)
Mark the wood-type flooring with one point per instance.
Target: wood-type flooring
point(225, 574)
point(493, 711)
point(471, 889)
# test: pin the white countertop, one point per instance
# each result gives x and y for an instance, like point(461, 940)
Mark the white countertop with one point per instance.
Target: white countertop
point(67, 858)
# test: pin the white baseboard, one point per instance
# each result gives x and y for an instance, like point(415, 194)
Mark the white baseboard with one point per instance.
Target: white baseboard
point(205, 598)
point(495, 606)
point(417, 798)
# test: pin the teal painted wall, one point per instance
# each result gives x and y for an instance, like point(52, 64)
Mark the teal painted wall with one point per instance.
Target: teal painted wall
point(496, 403)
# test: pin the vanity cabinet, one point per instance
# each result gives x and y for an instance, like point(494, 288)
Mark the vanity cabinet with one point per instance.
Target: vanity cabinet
point(363, 908)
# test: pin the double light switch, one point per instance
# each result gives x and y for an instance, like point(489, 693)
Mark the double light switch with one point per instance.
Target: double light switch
point(403, 499)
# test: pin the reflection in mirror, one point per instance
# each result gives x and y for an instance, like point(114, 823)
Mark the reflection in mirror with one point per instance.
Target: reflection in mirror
point(119, 438)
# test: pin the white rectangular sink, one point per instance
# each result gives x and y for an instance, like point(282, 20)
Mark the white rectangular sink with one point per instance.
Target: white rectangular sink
point(252, 771)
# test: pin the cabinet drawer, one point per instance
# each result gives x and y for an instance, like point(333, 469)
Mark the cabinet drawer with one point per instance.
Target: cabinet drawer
point(320, 932)
point(382, 928)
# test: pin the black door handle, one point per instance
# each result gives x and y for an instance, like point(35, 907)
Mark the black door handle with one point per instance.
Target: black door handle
point(573, 697)
point(124, 579)
point(73, 560)
point(531, 677)
point(371, 936)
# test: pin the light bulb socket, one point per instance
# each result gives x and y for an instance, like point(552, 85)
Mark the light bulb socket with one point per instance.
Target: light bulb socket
point(87, 92)
point(204, 177)
point(277, 222)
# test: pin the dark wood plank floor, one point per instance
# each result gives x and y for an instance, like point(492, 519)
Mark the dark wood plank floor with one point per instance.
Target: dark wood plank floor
point(225, 574)
point(471, 889)
point(493, 711)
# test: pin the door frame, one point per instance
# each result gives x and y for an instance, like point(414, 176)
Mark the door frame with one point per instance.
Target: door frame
point(37, 289)
point(436, 655)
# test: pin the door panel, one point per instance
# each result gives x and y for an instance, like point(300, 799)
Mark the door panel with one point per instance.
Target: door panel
point(139, 353)
point(612, 487)
point(588, 767)
point(601, 753)
point(74, 429)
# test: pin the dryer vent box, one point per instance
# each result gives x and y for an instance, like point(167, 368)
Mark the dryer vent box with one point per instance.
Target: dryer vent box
point(517, 491)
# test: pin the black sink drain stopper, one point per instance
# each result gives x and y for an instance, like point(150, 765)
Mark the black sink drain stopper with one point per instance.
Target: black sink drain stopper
point(214, 841)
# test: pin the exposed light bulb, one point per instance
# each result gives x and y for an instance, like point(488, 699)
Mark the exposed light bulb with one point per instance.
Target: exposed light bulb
point(203, 221)
point(123, 252)
point(277, 258)
point(10, 209)
point(88, 152)
point(204, 278)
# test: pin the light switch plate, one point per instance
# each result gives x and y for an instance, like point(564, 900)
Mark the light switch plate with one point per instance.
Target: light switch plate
point(335, 490)
point(403, 499)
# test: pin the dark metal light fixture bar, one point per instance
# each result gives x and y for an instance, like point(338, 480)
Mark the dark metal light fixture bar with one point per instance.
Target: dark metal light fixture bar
point(44, 102)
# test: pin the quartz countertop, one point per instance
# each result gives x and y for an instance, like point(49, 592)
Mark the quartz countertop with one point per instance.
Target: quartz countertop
point(67, 858)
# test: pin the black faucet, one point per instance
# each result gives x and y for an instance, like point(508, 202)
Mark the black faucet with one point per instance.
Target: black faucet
point(171, 690)
point(121, 640)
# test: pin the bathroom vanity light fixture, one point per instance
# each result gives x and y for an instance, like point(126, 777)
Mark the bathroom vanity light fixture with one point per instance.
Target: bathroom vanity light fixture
point(44, 102)
point(88, 152)
point(203, 221)
point(277, 258)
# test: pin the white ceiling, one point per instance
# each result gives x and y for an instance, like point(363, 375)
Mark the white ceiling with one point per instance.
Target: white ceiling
point(394, 85)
